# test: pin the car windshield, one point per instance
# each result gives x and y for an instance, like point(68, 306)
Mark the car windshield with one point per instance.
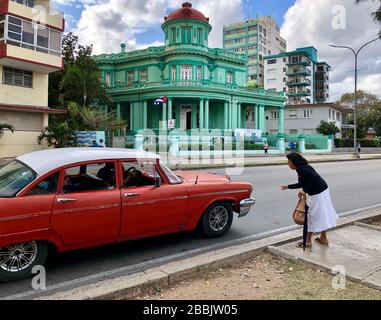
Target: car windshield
point(174, 179)
point(14, 177)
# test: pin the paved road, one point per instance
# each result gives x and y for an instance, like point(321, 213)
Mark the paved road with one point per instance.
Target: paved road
point(354, 185)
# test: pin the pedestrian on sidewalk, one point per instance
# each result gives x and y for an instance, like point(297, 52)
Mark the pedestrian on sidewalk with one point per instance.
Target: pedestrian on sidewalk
point(320, 213)
point(266, 147)
point(358, 147)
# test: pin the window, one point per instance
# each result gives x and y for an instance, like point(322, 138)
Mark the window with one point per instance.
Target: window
point(186, 34)
point(29, 3)
point(271, 71)
point(330, 114)
point(199, 73)
point(90, 177)
point(173, 178)
point(293, 131)
point(229, 77)
point(271, 81)
point(199, 36)
point(47, 186)
point(284, 80)
point(186, 72)
point(274, 115)
point(14, 177)
point(292, 114)
point(16, 77)
point(28, 34)
point(271, 61)
point(173, 35)
point(108, 79)
point(174, 73)
point(42, 39)
point(307, 113)
point(138, 174)
point(32, 36)
point(284, 59)
point(130, 77)
point(143, 75)
point(2, 27)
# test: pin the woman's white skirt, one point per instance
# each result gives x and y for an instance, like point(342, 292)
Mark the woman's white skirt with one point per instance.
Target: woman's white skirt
point(321, 213)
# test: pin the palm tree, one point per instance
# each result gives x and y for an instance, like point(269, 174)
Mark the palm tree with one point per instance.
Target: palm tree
point(4, 126)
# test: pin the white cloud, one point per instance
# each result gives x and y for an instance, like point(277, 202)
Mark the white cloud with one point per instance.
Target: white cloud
point(309, 23)
point(107, 23)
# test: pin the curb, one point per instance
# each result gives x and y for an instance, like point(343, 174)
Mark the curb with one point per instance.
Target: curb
point(275, 163)
point(128, 287)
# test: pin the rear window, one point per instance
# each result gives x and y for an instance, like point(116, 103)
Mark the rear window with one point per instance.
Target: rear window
point(14, 177)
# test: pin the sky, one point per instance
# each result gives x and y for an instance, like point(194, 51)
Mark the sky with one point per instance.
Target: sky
point(318, 23)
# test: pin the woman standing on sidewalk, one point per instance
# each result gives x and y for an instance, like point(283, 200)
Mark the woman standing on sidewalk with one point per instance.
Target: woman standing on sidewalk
point(320, 213)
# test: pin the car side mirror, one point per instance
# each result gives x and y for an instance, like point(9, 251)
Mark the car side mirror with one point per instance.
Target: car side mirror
point(157, 181)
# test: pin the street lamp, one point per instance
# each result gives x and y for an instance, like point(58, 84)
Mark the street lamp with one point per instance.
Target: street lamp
point(356, 69)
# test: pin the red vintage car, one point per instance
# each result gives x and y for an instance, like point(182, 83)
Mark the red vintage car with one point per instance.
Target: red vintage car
point(68, 199)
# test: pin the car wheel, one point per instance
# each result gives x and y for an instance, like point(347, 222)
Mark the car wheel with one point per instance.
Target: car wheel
point(18, 260)
point(216, 220)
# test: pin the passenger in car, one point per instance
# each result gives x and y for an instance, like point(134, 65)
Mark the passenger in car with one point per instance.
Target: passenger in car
point(107, 174)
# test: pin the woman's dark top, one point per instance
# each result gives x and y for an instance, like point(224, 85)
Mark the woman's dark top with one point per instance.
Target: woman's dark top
point(311, 182)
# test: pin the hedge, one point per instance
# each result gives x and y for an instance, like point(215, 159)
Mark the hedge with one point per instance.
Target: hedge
point(348, 143)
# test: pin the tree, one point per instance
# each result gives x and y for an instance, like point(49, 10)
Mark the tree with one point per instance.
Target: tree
point(367, 105)
point(79, 81)
point(376, 14)
point(5, 126)
point(58, 135)
point(327, 128)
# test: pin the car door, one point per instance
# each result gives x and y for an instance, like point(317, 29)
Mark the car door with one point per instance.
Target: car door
point(149, 210)
point(29, 212)
point(88, 208)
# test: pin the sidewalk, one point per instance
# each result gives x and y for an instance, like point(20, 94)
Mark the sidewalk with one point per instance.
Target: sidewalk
point(267, 268)
point(262, 160)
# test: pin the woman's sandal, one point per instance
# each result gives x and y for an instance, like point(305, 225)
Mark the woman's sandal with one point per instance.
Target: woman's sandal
point(308, 245)
point(324, 243)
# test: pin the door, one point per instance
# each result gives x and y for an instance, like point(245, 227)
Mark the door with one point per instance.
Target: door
point(31, 211)
point(148, 210)
point(88, 207)
point(186, 117)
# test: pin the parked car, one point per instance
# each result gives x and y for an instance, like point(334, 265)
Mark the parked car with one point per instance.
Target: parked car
point(68, 199)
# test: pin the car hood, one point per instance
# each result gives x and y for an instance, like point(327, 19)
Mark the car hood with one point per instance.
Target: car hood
point(192, 176)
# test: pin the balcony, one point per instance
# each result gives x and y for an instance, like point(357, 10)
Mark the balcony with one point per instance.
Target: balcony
point(300, 92)
point(298, 72)
point(26, 59)
point(299, 82)
point(304, 62)
point(40, 12)
point(189, 84)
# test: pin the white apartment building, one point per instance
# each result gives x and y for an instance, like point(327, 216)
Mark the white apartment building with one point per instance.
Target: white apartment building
point(304, 119)
point(298, 73)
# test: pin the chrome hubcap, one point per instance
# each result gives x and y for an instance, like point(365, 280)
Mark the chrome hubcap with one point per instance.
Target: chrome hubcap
point(18, 257)
point(218, 218)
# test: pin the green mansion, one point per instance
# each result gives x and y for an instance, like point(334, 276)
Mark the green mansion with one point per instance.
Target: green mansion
point(205, 88)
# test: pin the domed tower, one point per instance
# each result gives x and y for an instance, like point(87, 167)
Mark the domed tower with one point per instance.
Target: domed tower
point(186, 26)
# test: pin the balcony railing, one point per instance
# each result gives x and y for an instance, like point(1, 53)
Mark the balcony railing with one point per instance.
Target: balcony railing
point(299, 82)
point(304, 62)
point(123, 87)
point(300, 92)
point(298, 72)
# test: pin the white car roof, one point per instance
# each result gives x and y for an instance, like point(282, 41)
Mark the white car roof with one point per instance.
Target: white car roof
point(44, 161)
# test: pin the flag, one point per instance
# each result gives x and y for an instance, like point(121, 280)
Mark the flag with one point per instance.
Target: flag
point(161, 100)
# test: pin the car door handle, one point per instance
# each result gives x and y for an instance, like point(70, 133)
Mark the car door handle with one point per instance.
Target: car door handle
point(65, 200)
point(128, 195)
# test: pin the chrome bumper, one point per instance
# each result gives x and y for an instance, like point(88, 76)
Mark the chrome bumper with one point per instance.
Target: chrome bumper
point(245, 206)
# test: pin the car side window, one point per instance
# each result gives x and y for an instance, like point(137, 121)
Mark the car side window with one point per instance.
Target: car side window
point(138, 174)
point(47, 186)
point(90, 177)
